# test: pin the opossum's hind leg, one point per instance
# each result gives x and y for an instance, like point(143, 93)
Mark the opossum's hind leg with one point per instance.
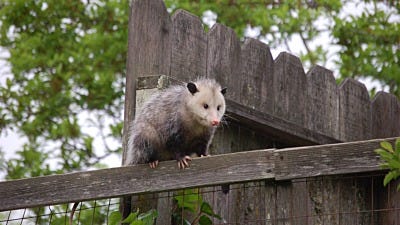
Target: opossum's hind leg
point(149, 154)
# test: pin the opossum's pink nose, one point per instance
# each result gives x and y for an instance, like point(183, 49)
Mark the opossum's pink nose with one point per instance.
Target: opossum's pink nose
point(215, 122)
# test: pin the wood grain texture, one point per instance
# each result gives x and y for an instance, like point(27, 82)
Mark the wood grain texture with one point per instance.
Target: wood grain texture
point(275, 127)
point(354, 111)
point(330, 159)
point(139, 179)
point(149, 49)
point(283, 205)
point(256, 76)
point(385, 115)
point(290, 86)
point(323, 102)
point(189, 47)
point(223, 59)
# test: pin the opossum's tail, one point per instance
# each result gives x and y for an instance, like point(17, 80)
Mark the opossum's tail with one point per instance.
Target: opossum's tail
point(71, 216)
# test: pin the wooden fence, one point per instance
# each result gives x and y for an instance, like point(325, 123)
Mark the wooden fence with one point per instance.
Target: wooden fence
point(272, 105)
point(276, 91)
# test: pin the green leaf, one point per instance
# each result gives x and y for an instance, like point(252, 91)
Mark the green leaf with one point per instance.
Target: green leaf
point(148, 217)
point(138, 222)
point(132, 217)
point(384, 154)
point(387, 146)
point(397, 144)
point(205, 220)
point(114, 218)
point(394, 164)
point(390, 176)
point(207, 209)
point(189, 199)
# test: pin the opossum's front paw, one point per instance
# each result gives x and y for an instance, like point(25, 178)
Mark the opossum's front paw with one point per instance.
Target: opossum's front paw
point(184, 162)
point(204, 155)
point(154, 164)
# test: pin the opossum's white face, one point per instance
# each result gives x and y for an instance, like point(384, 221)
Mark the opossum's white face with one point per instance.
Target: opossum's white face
point(207, 102)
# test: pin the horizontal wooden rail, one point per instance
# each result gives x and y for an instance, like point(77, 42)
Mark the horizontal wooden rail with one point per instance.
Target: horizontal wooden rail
point(333, 159)
point(283, 164)
point(117, 182)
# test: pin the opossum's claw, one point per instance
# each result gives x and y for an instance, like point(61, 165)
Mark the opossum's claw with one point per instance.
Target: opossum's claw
point(154, 164)
point(184, 162)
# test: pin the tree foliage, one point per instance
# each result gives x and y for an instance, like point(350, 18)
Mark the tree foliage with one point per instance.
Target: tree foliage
point(67, 57)
point(68, 64)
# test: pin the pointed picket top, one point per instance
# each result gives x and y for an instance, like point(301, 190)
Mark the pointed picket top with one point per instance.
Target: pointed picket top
point(223, 59)
point(323, 102)
point(290, 88)
point(385, 115)
point(354, 111)
point(257, 76)
point(189, 47)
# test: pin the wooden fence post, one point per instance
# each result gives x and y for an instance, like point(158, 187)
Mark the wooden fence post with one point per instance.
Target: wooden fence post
point(149, 51)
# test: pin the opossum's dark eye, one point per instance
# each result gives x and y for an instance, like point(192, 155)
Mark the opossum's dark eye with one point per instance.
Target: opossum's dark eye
point(205, 106)
point(218, 107)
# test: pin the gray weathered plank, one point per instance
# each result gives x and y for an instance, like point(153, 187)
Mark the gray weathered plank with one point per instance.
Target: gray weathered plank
point(122, 181)
point(283, 205)
point(149, 49)
point(290, 86)
point(385, 115)
point(189, 47)
point(275, 127)
point(330, 159)
point(323, 102)
point(257, 76)
point(354, 111)
point(270, 203)
point(223, 59)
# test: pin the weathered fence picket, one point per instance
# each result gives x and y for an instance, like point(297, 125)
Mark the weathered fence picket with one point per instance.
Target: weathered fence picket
point(385, 115)
point(323, 102)
point(354, 111)
point(189, 47)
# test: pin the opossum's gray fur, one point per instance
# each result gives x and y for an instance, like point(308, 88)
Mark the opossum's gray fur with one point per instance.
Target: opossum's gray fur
point(175, 123)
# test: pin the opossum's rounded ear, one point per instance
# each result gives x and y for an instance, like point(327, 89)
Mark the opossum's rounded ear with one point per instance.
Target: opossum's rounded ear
point(223, 91)
point(192, 88)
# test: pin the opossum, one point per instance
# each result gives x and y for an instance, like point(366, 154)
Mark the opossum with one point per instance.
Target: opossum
point(176, 123)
